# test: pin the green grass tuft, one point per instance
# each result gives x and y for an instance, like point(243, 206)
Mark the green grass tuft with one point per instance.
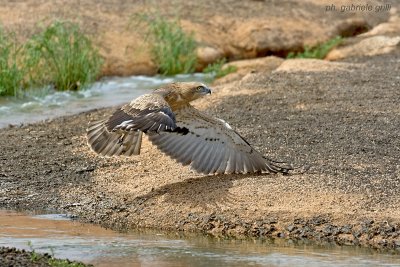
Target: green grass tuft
point(36, 257)
point(63, 56)
point(218, 70)
point(318, 51)
point(11, 75)
point(64, 263)
point(173, 50)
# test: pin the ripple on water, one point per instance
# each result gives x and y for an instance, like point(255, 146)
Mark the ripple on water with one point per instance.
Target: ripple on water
point(5, 109)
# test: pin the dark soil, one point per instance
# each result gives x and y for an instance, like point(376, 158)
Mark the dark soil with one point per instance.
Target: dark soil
point(11, 257)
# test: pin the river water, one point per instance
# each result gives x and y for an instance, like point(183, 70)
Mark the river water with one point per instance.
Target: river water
point(111, 91)
point(66, 238)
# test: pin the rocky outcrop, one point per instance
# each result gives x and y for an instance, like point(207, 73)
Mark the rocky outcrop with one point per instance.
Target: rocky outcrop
point(382, 39)
point(227, 28)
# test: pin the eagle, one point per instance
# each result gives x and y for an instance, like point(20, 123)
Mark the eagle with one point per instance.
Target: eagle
point(209, 145)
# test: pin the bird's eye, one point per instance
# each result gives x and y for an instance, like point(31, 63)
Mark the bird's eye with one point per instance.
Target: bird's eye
point(200, 88)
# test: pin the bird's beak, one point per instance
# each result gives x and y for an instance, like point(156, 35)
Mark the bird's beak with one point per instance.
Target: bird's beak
point(207, 91)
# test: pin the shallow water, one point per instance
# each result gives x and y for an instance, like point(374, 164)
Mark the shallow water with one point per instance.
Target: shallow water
point(56, 233)
point(46, 104)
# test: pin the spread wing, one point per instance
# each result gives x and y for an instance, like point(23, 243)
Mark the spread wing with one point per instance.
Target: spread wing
point(108, 143)
point(121, 134)
point(211, 146)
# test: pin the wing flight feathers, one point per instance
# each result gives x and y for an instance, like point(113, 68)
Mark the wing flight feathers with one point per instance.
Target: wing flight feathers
point(121, 134)
point(211, 146)
point(108, 143)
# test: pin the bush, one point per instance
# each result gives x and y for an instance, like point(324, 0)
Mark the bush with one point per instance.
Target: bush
point(318, 51)
point(11, 75)
point(173, 50)
point(218, 70)
point(63, 56)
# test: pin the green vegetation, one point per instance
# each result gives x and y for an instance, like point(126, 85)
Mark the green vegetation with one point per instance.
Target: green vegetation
point(11, 75)
point(64, 263)
point(218, 70)
point(173, 50)
point(318, 51)
point(36, 257)
point(63, 56)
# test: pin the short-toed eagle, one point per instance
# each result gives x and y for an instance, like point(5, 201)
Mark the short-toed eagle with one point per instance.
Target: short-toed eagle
point(179, 130)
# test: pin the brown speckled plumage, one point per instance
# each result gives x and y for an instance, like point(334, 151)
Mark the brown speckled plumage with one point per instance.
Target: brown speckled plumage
point(179, 130)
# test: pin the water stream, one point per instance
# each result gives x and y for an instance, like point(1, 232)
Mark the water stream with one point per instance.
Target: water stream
point(111, 91)
point(66, 238)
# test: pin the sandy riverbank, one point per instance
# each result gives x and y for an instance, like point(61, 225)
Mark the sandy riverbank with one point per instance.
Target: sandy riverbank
point(342, 118)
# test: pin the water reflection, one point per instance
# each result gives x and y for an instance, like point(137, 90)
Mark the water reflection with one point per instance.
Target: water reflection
point(45, 103)
point(102, 247)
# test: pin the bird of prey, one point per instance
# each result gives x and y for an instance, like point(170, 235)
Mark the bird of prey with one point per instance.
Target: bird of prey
point(208, 144)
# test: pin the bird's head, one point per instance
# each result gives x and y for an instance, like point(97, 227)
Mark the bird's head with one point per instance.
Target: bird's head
point(190, 91)
point(184, 92)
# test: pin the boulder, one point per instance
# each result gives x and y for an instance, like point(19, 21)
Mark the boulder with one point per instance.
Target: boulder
point(371, 46)
point(382, 39)
point(207, 55)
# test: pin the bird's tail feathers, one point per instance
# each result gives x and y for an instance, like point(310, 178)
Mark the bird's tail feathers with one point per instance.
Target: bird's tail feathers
point(113, 143)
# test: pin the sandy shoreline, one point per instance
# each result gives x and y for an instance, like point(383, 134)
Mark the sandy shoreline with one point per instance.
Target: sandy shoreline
point(342, 120)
